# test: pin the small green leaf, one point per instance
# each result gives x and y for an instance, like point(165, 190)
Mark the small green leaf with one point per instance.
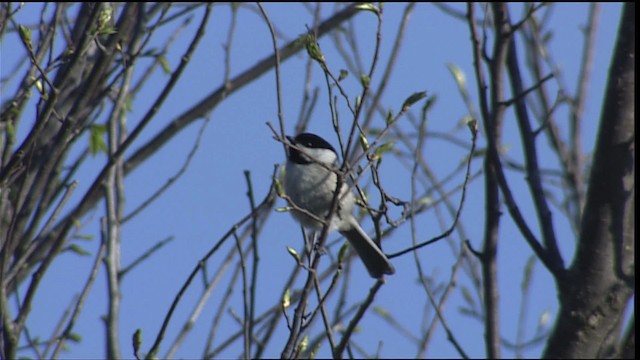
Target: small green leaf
point(314, 352)
point(137, 341)
point(78, 250)
point(294, 254)
point(479, 153)
point(128, 102)
point(286, 299)
point(279, 188)
point(343, 74)
point(382, 149)
point(466, 295)
point(425, 200)
point(39, 86)
point(414, 98)
point(108, 30)
point(303, 344)
point(364, 143)
point(75, 337)
point(467, 311)
point(458, 75)
point(342, 253)
point(367, 7)
point(11, 132)
point(96, 139)
point(68, 53)
point(390, 117)
point(429, 103)
point(460, 79)
point(382, 312)
point(165, 64)
point(528, 273)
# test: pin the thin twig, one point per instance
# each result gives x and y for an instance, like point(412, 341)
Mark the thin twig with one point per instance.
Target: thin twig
point(159, 245)
point(552, 257)
point(474, 134)
point(80, 303)
point(325, 317)
point(277, 59)
point(256, 260)
point(339, 349)
point(445, 326)
point(245, 300)
point(264, 204)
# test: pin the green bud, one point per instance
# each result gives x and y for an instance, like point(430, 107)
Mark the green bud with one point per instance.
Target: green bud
point(313, 49)
point(365, 80)
point(25, 35)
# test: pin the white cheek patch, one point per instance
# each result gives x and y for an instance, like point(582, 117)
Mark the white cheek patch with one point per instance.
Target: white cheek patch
point(324, 156)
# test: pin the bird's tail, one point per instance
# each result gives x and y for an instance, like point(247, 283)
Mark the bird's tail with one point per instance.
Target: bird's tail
point(373, 258)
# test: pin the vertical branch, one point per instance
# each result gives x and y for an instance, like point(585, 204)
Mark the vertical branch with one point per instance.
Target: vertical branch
point(489, 259)
point(309, 99)
point(391, 65)
point(275, 319)
point(245, 299)
point(298, 324)
point(115, 197)
point(256, 260)
point(110, 237)
point(276, 53)
point(602, 276)
point(492, 111)
point(365, 89)
point(298, 316)
point(536, 53)
point(579, 102)
point(528, 139)
point(112, 232)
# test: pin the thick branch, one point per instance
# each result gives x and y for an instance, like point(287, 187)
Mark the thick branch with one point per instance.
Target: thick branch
point(603, 273)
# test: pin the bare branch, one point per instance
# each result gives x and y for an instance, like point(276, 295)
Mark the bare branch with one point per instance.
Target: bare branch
point(602, 276)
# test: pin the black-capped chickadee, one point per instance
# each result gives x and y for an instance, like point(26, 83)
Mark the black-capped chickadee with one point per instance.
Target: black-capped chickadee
point(311, 185)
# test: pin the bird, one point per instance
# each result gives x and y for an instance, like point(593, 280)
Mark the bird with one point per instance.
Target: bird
point(310, 183)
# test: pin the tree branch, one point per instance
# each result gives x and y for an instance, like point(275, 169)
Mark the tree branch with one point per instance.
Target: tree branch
point(602, 275)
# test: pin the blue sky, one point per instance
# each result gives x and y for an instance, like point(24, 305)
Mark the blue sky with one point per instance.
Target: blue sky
point(210, 197)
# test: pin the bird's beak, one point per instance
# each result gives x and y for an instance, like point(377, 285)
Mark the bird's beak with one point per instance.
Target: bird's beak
point(288, 145)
